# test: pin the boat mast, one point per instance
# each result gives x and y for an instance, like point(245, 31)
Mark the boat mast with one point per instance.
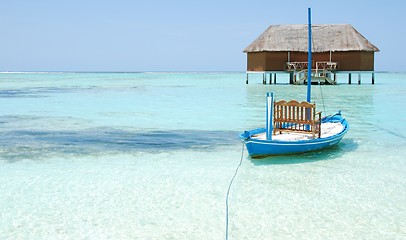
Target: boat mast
point(309, 56)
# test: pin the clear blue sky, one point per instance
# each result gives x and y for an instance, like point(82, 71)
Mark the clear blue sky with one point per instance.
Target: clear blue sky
point(183, 35)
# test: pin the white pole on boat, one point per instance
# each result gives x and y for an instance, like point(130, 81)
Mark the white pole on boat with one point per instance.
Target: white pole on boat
point(309, 56)
point(269, 115)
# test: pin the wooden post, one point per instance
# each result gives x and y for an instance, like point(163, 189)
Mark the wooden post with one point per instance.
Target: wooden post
point(291, 78)
point(270, 78)
point(263, 78)
point(373, 78)
point(349, 78)
point(359, 78)
point(274, 79)
point(246, 82)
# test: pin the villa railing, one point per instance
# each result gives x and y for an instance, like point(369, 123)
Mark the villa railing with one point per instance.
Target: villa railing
point(298, 66)
point(331, 66)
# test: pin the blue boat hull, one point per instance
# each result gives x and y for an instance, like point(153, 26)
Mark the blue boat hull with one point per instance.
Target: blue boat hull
point(261, 148)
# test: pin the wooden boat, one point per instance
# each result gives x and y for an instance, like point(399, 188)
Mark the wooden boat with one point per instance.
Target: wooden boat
point(293, 127)
point(332, 130)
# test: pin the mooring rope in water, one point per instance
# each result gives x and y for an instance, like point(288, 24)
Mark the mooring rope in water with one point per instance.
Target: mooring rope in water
point(229, 187)
point(322, 99)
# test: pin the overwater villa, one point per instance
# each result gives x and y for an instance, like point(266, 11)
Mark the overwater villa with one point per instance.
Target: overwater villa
point(336, 48)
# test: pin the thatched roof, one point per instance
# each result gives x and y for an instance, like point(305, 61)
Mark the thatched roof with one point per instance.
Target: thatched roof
point(326, 37)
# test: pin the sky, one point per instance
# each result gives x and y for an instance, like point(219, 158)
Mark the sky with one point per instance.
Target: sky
point(182, 35)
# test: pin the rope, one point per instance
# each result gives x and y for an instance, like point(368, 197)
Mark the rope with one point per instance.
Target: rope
point(322, 99)
point(229, 187)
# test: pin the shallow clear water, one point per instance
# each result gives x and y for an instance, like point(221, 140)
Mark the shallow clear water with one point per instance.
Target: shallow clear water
point(150, 156)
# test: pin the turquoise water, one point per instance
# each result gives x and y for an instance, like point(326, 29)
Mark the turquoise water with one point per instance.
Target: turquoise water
point(150, 156)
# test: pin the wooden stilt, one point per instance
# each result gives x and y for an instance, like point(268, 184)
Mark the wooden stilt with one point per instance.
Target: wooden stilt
point(274, 79)
point(246, 82)
point(263, 78)
point(373, 78)
point(291, 78)
point(359, 78)
point(270, 78)
point(349, 78)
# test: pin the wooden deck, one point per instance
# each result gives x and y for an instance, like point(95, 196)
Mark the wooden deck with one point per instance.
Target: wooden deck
point(327, 130)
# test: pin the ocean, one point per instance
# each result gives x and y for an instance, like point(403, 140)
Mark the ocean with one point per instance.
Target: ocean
point(150, 155)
